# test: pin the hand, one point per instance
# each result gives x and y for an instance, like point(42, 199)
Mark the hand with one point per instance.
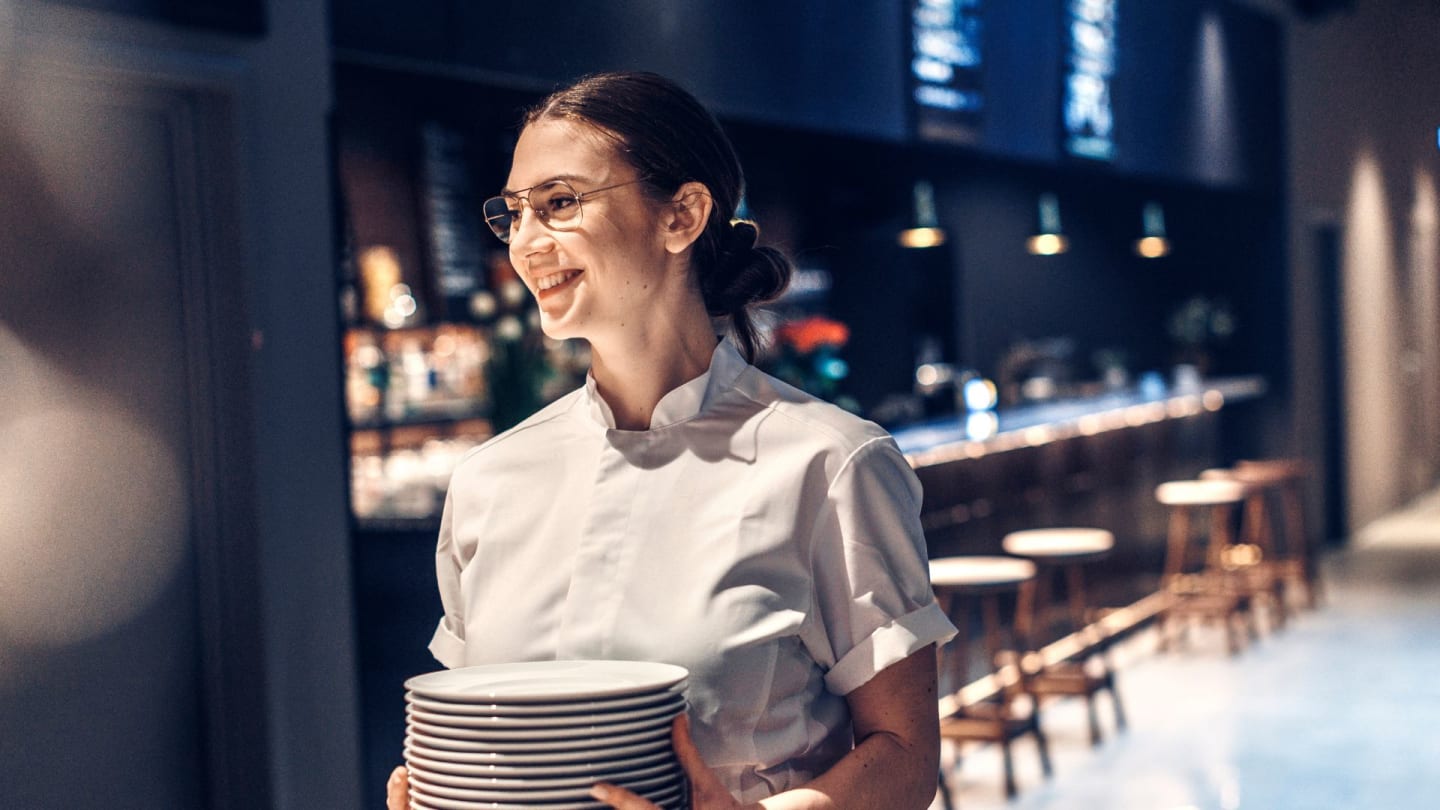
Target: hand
point(706, 791)
point(397, 790)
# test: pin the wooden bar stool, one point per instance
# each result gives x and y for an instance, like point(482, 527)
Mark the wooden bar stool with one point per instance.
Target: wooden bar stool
point(991, 709)
point(1294, 553)
point(1258, 569)
point(1199, 584)
point(1066, 550)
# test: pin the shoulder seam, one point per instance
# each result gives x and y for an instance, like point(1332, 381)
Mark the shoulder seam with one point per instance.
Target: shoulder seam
point(504, 436)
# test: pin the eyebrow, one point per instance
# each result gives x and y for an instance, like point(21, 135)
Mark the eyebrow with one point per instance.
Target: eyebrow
point(569, 178)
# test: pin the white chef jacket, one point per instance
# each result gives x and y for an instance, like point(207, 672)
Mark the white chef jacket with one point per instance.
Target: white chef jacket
point(767, 541)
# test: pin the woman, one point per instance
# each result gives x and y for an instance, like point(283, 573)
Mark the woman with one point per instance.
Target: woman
point(683, 506)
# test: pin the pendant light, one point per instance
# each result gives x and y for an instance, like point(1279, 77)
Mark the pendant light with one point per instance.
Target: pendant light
point(925, 231)
point(1153, 243)
point(1050, 241)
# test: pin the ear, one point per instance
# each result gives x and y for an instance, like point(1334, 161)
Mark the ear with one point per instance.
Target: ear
point(686, 216)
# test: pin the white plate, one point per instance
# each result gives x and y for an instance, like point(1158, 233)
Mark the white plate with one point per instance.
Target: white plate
point(671, 707)
point(578, 794)
point(582, 781)
point(556, 707)
point(597, 763)
point(586, 745)
point(546, 681)
point(531, 759)
point(422, 801)
point(517, 734)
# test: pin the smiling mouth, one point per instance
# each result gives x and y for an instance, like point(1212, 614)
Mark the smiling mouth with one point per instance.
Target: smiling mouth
point(555, 281)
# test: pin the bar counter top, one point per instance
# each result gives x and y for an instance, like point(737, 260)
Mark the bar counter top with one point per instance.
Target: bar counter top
point(959, 437)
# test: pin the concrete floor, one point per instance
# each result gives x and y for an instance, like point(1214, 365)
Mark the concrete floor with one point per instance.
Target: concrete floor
point(1339, 710)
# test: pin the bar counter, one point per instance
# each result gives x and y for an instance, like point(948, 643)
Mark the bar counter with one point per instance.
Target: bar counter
point(1090, 461)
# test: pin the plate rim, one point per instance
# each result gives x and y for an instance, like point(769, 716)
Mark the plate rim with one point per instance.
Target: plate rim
point(660, 676)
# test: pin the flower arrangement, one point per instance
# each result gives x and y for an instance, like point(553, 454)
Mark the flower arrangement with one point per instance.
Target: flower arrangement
point(809, 357)
point(1199, 325)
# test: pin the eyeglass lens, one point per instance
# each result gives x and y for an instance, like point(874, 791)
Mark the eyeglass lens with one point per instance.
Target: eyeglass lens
point(555, 203)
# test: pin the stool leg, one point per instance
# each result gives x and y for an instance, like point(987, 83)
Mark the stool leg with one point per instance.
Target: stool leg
point(1115, 700)
point(943, 786)
point(1075, 591)
point(1259, 532)
point(1010, 790)
point(958, 649)
point(1042, 745)
point(1178, 535)
point(990, 616)
point(1094, 717)
point(1025, 607)
point(1298, 542)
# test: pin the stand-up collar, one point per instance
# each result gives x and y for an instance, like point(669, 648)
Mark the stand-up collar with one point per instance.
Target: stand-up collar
point(685, 401)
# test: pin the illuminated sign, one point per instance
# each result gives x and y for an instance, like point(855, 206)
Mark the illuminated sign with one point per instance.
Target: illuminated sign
point(945, 68)
point(1089, 121)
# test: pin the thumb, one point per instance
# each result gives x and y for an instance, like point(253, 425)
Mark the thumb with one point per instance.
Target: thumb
point(703, 781)
point(397, 790)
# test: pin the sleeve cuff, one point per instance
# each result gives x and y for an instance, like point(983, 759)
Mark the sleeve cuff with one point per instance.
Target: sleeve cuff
point(887, 645)
point(448, 648)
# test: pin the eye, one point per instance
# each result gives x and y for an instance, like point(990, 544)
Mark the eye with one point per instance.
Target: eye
point(560, 201)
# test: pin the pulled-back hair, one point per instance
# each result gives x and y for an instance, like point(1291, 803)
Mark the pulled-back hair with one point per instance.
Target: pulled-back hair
point(671, 139)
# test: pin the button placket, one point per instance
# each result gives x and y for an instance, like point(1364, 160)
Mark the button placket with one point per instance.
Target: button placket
point(596, 593)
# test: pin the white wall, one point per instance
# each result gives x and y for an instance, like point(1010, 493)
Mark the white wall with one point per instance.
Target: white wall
point(1363, 108)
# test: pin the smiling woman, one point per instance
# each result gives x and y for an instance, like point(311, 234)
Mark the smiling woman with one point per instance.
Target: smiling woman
point(709, 515)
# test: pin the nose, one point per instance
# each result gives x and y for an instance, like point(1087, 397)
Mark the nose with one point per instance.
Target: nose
point(529, 237)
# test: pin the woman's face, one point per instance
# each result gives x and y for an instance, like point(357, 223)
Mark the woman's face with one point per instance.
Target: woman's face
point(597, 279)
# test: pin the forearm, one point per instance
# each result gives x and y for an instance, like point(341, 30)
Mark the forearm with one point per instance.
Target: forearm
point(884, 770)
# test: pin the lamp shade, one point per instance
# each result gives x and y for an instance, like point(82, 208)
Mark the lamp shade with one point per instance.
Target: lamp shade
point(925, 230)
point(1050, 240)
point(1153, 243)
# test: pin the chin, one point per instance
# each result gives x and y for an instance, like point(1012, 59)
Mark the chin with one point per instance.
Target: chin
point(557, 330)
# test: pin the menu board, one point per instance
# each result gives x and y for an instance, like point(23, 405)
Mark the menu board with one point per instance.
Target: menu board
point(1088, 117)
point(946, 68)
point(452, 214)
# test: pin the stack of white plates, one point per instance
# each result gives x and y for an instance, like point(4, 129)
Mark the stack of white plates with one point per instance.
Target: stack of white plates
point(541, 734)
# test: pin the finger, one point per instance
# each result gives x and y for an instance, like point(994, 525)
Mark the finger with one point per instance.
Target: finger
point(397, 790)
point(620, 798)
point(703, 781)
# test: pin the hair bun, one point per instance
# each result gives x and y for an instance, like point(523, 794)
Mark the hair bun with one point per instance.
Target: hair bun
point(740, 237)
point(749, 275)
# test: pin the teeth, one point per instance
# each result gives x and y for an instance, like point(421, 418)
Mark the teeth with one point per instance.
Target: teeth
point(556, 279)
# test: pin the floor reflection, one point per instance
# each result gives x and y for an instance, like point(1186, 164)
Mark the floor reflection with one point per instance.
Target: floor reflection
point(1339, 710)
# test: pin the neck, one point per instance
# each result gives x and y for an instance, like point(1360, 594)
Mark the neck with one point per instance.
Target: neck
point(634, 370)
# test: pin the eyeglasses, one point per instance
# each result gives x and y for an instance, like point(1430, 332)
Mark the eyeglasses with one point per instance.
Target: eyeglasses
point(556, 203)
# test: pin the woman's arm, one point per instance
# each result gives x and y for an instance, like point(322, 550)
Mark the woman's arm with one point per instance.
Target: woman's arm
point(897, 745)
point(893, 764)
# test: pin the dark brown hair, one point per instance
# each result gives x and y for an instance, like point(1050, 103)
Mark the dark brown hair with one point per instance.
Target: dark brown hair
point(671, 139)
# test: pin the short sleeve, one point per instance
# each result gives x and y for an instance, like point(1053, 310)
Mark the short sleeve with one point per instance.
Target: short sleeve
point(448, 643)
point(873, 599)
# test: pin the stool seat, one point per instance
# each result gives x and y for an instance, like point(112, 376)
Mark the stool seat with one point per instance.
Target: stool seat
point(1060, 545)
point(1200, 493)
point(1283, 469)
point(1258, 477)
point(980, 573)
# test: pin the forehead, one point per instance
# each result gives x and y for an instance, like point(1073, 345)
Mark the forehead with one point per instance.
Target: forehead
point(551, 148)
